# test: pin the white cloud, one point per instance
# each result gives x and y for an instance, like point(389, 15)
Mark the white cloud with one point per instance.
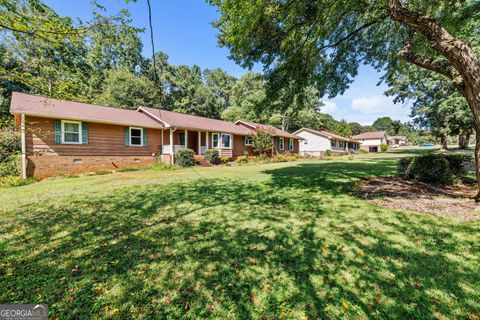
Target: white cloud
point(380, 106)
point(372, 104)
point(330, 108)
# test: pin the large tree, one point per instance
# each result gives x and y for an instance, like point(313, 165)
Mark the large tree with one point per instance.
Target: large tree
point(437, 105)
point(323, 42)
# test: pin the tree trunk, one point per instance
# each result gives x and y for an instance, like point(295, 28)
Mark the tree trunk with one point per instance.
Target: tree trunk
point(461, 64)
point(461, 139)
point(467, 141)
point(444, 141)
point(472, 93)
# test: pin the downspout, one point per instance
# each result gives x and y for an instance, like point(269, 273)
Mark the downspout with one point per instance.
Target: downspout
point(24, 147)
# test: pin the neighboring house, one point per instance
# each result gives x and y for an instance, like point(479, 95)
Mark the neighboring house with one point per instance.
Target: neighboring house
point(283, 142)
point(371, 141)
point(70, 137)
point(316, 142)
point(397, 141)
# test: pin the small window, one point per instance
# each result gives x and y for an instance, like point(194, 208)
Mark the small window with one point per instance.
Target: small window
point(290, 144)
point(281, 144)
point(136, 136)
point(77, 161)
point(71, 132)
point(248, 141)
point(333, 143)
point(181, 138)
point(215, 139)
point(226, 140)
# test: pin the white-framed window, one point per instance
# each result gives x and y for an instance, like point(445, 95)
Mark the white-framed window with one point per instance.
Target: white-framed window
point(181, 138)
point(248, 141)
point(226, 140)
point(71, 132)
point(136, 136)
point(333, 143)
point(290, 144)
point(215, 140)
point(281, 143)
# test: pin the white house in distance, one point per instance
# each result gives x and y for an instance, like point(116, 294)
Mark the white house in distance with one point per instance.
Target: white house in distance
point(371, 141)
point(397, 141)
point(316, 142)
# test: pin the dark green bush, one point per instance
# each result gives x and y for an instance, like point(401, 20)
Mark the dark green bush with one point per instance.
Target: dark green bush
point(328, 153)
point(456, 162)
point(10, 166)
point(384, 147)
point(435, 168)
point(9, 142)
point(211, 155)
point(185, 157)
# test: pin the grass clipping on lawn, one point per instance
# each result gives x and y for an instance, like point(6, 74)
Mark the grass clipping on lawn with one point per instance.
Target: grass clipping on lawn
point(446, 201)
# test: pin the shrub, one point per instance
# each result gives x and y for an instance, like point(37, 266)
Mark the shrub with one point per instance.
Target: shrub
point(328, 153)
point(436, 168)
point(279, 158)
point(384, 147)
point(211, 155)
point(456, 162)
point(242, 159)
point(129, 169)
point(9, 142)
point(262, 158)
point(102, 172)
point(262, 142)
point(184, 157)
point(224, 160)
point(15, 181)
point(10, 166)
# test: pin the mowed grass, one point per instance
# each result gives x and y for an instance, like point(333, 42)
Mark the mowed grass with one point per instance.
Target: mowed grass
point(281, 241)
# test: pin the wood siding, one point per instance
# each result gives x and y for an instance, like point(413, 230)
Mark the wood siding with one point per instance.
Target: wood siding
point(103, 139)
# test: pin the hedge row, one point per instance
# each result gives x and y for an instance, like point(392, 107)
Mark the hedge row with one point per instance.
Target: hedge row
point(435, 168)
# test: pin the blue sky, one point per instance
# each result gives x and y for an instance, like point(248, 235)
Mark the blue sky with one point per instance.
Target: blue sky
point(183, 30)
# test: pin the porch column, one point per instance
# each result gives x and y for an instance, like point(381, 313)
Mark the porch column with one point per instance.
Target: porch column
point(24, 147)
point(199, 142)
point(161, 144)
point(171, 146)
point(207, 141)
point(186, 139)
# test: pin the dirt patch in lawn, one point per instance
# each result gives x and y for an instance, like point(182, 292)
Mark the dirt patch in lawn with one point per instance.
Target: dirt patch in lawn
point(393, 192)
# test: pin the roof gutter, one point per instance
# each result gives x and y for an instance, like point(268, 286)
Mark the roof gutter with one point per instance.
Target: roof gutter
point(83, 119)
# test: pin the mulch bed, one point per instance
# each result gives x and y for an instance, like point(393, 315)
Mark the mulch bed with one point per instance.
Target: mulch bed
point(446, 201)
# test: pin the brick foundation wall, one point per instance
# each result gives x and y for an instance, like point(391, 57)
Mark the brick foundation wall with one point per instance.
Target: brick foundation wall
point(43, 166)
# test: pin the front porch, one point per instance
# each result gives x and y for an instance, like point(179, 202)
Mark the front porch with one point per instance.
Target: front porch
point(199, 141)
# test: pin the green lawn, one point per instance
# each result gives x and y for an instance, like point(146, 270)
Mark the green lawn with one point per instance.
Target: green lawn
point(287, 240)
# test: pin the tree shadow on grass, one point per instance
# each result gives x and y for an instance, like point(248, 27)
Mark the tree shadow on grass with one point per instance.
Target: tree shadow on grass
point(295, 245)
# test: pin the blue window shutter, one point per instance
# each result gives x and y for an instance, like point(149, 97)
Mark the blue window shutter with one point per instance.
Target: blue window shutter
point(126, 135)
point(84, 133)
point(145, 137)
point(58, 131)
